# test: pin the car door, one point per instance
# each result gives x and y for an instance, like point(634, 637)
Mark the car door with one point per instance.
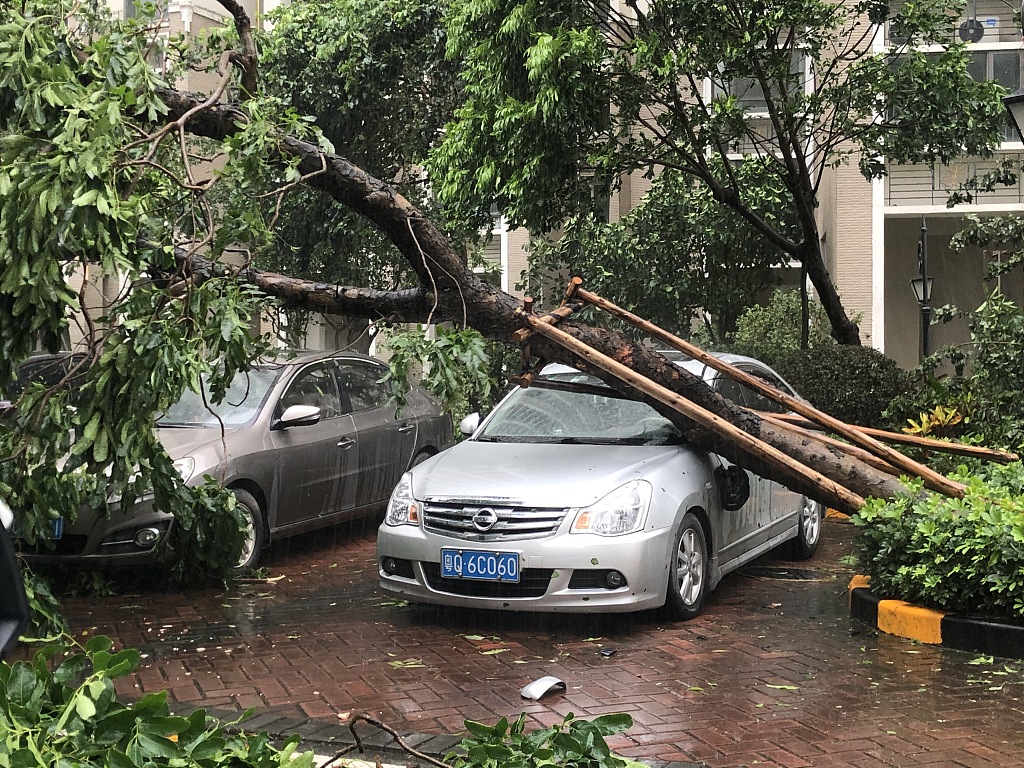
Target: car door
point(386, 443)
point(313, 458)
point(780, 506)
point(746, 528)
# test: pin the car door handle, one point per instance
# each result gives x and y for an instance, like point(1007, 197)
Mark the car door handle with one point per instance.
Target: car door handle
point(406, 428)
point(346, 443)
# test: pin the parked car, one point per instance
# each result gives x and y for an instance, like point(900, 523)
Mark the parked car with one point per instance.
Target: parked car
point(569, 497)
point(308, 441)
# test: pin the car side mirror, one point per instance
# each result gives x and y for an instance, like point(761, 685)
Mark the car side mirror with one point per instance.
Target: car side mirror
point(298, 416)
point(13, 603)
point(469, 424)
point(733, 487)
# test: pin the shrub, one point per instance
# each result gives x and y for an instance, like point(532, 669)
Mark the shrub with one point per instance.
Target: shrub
point(984, 386)
point(854, 384)
point(772, 332)
point(964, 555)
point(61, 709)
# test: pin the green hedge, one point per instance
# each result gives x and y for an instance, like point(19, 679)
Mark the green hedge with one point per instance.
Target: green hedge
point(961, 555)
point(854, 384)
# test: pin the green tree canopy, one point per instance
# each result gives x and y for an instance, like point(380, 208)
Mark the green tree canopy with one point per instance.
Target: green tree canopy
point(565, 94)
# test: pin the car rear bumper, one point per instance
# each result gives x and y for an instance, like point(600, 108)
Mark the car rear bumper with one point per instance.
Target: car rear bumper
point(567, 573)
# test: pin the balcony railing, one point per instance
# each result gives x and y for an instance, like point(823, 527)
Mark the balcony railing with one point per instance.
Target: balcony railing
point(919, 185)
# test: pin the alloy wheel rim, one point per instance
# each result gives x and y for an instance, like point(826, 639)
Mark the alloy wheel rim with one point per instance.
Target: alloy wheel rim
point(690, 567)
point(811, 521)
point(249, 542)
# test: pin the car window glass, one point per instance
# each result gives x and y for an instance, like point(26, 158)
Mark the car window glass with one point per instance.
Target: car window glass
point(313, 385)
point(731, 389)
point(361, 382)
point(540, 414)
point(758, 401)
point(242, 401)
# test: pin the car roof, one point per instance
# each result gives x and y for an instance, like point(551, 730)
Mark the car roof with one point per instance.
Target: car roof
point(302, 356)
point(687, 363)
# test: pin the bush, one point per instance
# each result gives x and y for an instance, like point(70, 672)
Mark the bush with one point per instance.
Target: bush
point(61, 709)
point(984, 386)
point(951, 554)
point(854, 384)
point(771, 333)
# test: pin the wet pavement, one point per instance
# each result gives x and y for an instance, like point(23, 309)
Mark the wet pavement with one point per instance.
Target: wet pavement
point(774, 673)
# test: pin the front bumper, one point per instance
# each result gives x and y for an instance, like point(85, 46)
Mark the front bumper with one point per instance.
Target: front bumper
point(562, 573)
point(106, 539)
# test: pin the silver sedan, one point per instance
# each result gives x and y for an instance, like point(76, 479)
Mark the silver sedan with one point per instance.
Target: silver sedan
point(571, 498)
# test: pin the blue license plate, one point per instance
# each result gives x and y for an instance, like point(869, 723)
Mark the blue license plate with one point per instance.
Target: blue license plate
point(57, 528)
point(483, 566)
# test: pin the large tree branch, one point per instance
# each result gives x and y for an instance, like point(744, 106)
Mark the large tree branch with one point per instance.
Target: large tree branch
point(451, 291)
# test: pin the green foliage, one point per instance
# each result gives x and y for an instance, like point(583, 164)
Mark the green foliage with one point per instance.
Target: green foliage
point(853, 384)
point(82, 194)
point(459, 367)
point(45, 618)
point(61, 709)
point(984, 386)
point(563, 98)
point(570, 744)
point(772, 332)
point(679, 253)
point(950, 554)
point(375, 74)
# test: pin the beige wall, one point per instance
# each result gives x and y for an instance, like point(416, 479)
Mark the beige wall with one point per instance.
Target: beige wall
point(847, 212)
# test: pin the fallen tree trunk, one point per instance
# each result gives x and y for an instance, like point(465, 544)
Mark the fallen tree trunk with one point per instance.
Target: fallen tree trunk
point(450, 292)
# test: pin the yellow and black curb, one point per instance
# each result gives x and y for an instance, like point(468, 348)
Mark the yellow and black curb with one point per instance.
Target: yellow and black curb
point(995, 637)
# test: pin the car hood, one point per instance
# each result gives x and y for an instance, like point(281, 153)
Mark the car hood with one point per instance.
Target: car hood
point(186, 441)
point(532, 474)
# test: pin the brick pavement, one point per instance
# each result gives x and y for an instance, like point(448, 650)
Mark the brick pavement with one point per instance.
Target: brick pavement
point(774, 673)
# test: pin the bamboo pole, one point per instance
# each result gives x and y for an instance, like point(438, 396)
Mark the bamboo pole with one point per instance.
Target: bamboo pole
point(929, 443)
point(848, 449)
point(932, 479)
point(706, 419)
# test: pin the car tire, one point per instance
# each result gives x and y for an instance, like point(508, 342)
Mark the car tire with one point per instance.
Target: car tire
point(422, 456)
point(808, 531)
point(256, 529)
point(688, 570)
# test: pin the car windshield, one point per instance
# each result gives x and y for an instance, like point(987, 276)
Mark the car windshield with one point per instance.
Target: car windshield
point(243, 400)
point(542, 415)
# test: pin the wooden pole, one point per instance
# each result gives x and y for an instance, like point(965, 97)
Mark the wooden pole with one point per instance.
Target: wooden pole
point(848, 449)
point(932, 479)
point(708, 420)
point(928, 443)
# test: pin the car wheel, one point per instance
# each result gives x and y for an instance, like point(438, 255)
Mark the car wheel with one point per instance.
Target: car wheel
point(688, 571)
point(255, 529)
point(808, 532)
point(422, 456)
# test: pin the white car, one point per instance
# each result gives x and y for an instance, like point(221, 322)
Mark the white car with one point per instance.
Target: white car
point(569, 497)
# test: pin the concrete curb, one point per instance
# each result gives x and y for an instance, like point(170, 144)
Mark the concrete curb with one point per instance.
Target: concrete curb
point(979, 634)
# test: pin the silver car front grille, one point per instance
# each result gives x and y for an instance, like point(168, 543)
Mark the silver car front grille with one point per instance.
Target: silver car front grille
point(485, 522)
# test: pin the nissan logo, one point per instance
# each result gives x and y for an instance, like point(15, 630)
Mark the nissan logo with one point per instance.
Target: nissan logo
point(485, 519)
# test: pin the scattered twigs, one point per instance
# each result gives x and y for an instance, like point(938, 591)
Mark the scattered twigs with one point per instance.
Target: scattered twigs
point(928, 443)
point(842, 496)
point(387, 729)
point(906, 465)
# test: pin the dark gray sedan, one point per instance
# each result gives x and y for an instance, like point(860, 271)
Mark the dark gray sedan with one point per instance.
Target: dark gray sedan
point(307, 441)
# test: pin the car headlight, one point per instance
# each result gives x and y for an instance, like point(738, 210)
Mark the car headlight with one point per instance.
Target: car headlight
point(622, 511)
point(403, 509)
point(185, 467)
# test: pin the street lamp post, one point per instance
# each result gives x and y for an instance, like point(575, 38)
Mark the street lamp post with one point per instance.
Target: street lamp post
point(922, 285)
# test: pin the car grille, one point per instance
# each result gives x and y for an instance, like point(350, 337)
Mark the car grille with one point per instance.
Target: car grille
point(533, 582)
point(455, 519)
